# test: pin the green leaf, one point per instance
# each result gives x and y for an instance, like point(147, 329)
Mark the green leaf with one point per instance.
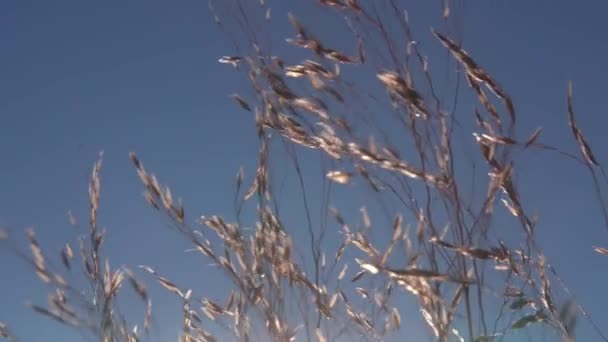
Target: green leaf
point(519, 303)
point(529, 319)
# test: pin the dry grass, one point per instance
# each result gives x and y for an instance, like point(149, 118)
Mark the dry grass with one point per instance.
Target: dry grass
point(446, 255)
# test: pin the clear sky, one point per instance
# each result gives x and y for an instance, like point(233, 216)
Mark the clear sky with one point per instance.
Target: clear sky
point(119, 76)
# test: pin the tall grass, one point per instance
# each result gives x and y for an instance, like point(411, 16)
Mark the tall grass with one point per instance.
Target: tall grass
point(375, 116)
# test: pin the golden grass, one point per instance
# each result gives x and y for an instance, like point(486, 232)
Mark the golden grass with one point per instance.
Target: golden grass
point(444, 258)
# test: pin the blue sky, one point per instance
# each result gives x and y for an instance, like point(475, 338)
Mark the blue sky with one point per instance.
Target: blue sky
point(117, 76)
